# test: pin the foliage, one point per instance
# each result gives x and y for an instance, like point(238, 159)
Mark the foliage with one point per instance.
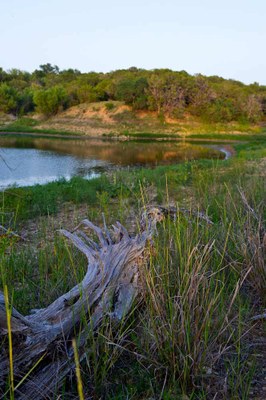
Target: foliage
point(49, 101)
point(190, 338)
point(8, 98)
point(109, 106)
point(133, 92)
point(169, 93)
point(43, 200)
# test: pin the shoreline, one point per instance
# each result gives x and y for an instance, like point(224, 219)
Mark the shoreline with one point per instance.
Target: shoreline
point(124, 138)
point(226, 151)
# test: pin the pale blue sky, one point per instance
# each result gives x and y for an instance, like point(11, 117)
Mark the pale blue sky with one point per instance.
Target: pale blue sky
point(225, 37)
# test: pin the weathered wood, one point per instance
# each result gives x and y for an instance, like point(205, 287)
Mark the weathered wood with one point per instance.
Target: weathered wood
point(109, 288)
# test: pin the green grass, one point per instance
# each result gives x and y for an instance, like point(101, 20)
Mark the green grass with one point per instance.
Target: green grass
point(30, 125)
point(31, 202)
point(190, 337)
point(127, 123)
point(147, 135)
point(248, 136)
point(25, 129)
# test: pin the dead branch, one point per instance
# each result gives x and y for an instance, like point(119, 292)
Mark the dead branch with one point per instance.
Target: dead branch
point(161, 212)
point(108, 289)
point(258, 317)
point(43, 339)
point(10, 233)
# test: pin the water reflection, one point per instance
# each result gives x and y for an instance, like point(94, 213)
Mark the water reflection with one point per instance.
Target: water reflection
point(26, 161)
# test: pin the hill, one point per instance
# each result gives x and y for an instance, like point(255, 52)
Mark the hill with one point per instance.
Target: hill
point(131, 100)
point(116, 119)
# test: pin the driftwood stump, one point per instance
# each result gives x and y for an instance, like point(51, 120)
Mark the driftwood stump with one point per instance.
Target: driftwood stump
point(43, 351)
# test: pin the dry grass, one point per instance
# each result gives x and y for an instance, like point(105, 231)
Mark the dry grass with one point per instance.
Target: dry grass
point(95, 119)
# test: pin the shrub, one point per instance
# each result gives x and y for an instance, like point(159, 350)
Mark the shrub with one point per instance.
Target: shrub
point(8, 99)
point(50, 101)
point(109, 106)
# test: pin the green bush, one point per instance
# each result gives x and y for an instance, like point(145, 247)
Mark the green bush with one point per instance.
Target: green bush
point(50, 101)
point(133, 92)
point(8, 99)
point(109, 106)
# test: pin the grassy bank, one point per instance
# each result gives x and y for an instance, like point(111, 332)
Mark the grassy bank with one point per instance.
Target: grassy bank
point(191, 336)
point(98, 119)
point(29, 125)
point(151, 132)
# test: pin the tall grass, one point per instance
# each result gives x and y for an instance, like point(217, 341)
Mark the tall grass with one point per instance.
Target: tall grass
point(186, 339)
point(10, 347)
point(78, 373)
point(191, 295)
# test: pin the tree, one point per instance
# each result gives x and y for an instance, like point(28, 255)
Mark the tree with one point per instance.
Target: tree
point(253, 108)
point(3, 75)
point(133, 92)
point(8, 99)
point(49, 68)
point(50, 101)
point(168, 93)
point(203, 94)
point(25, 102)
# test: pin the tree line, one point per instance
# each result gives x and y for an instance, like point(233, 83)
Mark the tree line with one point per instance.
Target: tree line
point(49, 90)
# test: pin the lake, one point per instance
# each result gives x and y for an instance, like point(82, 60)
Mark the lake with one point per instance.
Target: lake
point(29, 160)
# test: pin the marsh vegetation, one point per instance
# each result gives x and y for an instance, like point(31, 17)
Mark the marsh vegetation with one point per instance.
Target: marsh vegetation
point(191, 334)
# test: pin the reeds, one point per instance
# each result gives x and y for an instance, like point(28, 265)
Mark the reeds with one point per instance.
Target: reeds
point(201, 288)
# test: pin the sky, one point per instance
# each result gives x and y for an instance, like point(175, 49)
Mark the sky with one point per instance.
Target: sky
point(225, 38)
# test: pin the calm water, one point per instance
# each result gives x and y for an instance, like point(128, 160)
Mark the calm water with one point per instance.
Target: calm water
point(26, 161)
